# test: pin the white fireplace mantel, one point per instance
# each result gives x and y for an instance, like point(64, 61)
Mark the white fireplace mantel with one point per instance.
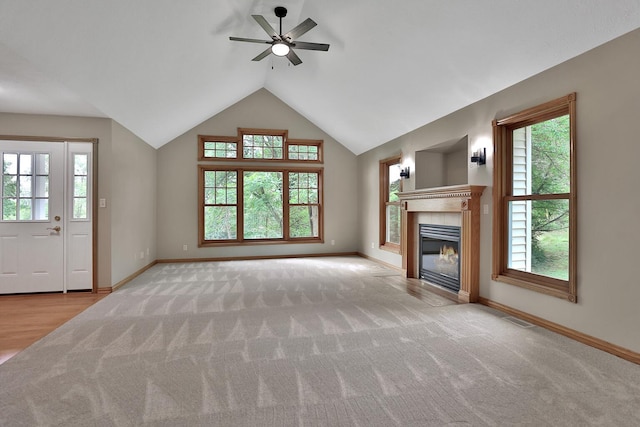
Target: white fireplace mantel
point(464, 199)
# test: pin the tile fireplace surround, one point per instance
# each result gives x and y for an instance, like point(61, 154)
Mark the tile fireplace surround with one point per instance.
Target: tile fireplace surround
point(461, 199)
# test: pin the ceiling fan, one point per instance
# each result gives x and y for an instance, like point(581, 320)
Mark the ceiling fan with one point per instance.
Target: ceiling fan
point(283, 44)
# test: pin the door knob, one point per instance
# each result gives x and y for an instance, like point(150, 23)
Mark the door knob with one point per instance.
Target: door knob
point(56, 229)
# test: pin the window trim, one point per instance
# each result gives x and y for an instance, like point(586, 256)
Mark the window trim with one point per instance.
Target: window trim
point(384, 202)
point(240, 240)
point(502, 175)
point(238, 140)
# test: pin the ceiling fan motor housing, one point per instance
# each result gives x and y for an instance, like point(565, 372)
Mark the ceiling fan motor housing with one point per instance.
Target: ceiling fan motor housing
point(280, 11)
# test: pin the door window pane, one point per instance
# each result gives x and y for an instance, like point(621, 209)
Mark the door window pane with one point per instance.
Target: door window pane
point(41, 209)
point(42, 164)
point(25, 208)
point(41, 201)
point(18, 185)
point(80, 186)
point(25, 164)
point(42, 186)
point(10, 186)
point(9, 209)
point(10, 164)
point(79, 208)
point(25, 186)
point(80, 164)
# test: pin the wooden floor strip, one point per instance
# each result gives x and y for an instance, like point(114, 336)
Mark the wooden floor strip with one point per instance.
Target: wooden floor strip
point(24, 319)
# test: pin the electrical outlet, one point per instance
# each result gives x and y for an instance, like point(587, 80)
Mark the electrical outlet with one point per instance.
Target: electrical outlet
point(373, 245)
point(103, 203)
point(141, 254)
point(333, 242)
point(485, 209)
point(184, 247)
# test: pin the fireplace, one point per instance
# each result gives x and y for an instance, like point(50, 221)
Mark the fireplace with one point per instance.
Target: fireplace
point(439, 261)
point(461, 199)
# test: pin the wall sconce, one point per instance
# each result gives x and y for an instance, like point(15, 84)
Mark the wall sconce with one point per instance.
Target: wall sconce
point(479, 157)
point(405, 173)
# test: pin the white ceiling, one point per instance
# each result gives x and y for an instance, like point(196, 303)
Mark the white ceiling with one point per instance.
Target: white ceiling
point(160, 67)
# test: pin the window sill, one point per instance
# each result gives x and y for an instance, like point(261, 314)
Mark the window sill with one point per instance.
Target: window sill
point(558, 291)
point(391, 247)
point(210, 244)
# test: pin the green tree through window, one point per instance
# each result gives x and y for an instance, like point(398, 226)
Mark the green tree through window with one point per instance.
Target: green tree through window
point(263, 214)
point(550, 218)
point(267, 205)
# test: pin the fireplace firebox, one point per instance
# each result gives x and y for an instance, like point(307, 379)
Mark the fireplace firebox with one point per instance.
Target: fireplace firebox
point(440, 255)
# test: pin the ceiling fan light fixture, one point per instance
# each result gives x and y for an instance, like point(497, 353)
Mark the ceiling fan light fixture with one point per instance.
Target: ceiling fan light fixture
point(280, 49)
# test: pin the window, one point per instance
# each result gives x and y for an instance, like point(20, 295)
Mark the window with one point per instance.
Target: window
point(259, 205)
point(259, 145)
point(25, 186)
point(304, 204)
point(220, 205)
point(242, 204)
point(390, 218)
point(304, 150)
point(218, 147)
point(535, 199)
point(262, 145)
point(263, 204)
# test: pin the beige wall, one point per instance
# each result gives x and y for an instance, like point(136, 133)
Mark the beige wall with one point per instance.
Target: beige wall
point(608, 107)
point(133, 203)
point(177, 183)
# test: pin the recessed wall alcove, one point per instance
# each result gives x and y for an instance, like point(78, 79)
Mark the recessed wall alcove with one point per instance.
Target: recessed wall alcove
point(454, 203)
point(444, 164)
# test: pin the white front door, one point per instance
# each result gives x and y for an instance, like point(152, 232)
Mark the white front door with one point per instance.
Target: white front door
point(45, 226)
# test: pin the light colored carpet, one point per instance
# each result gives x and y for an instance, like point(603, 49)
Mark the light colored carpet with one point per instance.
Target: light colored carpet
point(310, 342)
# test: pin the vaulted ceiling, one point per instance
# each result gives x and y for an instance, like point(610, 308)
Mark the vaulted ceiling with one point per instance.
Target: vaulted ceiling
point(160, 67)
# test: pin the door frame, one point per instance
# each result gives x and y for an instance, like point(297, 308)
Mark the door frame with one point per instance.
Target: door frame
point(94, 189)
